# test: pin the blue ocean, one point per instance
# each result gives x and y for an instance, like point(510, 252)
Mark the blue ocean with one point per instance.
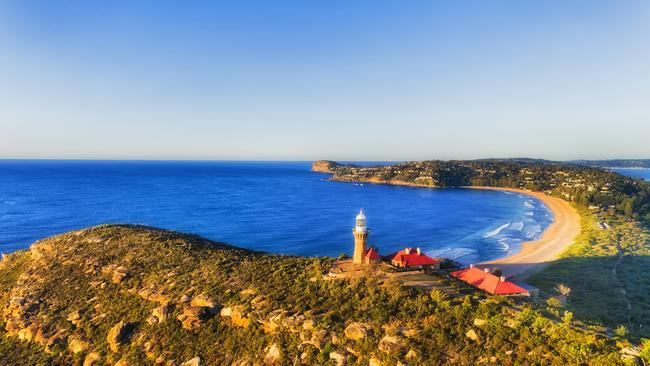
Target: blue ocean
point(277, 207)
point(637, 173)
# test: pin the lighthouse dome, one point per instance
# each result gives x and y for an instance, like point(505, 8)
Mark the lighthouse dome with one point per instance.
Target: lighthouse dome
point(361, 222)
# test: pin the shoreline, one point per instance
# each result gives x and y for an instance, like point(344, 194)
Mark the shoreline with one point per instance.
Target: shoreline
point(534, 255)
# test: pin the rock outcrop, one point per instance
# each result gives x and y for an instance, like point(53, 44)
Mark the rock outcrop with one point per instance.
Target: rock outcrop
point(161, 313)
point(273, 354)
point(471, 334)
point(118, 335)
point(193, 316)
point(324, 166)
point(391, 344)
point(338, 358)
point(196, 361)
point(356, 331)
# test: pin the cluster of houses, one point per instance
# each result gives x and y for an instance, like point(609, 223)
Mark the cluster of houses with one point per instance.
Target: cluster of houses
point(409, 259)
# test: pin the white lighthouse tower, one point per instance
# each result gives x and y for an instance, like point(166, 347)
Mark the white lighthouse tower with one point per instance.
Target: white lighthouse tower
point(360, 232)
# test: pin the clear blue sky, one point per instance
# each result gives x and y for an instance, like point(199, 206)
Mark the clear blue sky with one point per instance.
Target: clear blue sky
point(345, 80)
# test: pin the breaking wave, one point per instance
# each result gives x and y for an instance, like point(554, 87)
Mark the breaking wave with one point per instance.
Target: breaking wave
point(496, 231)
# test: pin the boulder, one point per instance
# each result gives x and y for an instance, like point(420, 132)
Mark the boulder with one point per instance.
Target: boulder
point(273, 354)
point(479, 322)
point(471, 334)
point(154, 295)
point(239, 318)
point(338, 358)
point(184, 298)
point(242, 362)
point(28, 333)
point(632, 351)
point(391, 344)
point(122, 362)
point(55, 341)
point(411, 354)
point(193, 316)
point(374, 361)
point(92, 359)
point(161, 313)
point(356, 331)
point(512, 323)
point(118, 277)
point(117, 335)
point(308, 324)
point(317, 339)
point(248, 292)
point(74, 317)
point(196, 361)
point(205, 302)
point(39, 337)
point(274, 320)
point(77, 346)
point(227, 311)
point(260, 302)
point(294, 322)
point(631, 355)
point(410, 332)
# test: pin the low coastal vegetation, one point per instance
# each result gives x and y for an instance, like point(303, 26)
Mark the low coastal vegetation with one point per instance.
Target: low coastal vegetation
point(133, 295)
point(606, 271)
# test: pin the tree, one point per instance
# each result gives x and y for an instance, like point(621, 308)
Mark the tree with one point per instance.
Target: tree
point(621, 331)
point(567, 317)
point(645, 350)
point(564, 291)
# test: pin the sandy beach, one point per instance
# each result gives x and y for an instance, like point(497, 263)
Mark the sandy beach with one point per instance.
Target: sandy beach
point(533, 255)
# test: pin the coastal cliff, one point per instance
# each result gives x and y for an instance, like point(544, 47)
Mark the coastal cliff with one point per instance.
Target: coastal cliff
point(134, 295)
point(324, 166)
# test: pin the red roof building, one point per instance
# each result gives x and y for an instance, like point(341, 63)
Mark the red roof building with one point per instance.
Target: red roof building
point(372, 256)
point(413, 258)
point(488, 282)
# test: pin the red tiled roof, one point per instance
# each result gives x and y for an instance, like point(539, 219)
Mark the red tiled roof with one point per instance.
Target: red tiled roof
point(413, 258)
point(372, 254)
point(488, 282)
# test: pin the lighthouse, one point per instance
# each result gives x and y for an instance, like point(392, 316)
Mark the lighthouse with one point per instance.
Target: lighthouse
point(360, 232)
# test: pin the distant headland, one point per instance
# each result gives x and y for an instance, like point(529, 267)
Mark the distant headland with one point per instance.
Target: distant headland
point(324, 166)
point(581, 184)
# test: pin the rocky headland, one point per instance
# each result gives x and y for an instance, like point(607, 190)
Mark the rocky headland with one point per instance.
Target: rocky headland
point(324, 166)
point(133, 295)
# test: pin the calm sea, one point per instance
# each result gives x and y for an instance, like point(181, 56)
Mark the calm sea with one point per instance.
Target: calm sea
point(278, 207)
point(635, 173)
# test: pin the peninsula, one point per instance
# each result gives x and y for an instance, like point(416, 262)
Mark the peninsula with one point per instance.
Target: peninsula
point(574, 183)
